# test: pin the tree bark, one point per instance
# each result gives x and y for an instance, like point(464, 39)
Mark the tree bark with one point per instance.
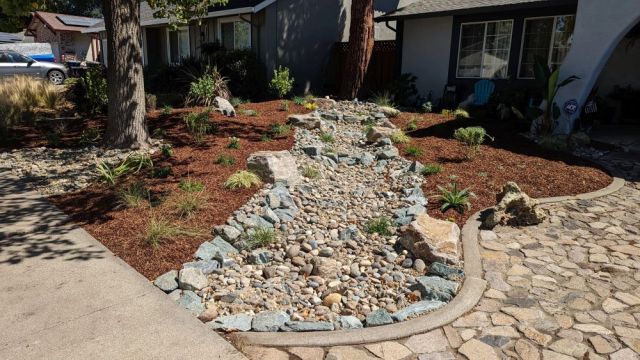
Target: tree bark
point(360, 47)
point(126, 126)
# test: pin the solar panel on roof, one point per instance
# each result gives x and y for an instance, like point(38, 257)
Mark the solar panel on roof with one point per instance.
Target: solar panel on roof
point(76, 21)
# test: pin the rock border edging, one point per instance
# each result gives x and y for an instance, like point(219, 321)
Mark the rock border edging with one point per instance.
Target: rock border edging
point(469, 295)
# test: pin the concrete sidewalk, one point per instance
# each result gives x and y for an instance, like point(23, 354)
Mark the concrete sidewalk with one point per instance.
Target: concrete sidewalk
point(65, 296)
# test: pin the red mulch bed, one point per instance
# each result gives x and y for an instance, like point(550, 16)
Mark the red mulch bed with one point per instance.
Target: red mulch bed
point(510, 157)
point(122, 230)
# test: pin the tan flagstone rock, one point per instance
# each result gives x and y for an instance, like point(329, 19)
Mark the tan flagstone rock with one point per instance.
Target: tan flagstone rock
point(433, 341)
point(535, 335)
point(602, 345)
point(552, 355)
point(307, 353)
point(477, 350)
point(569, 347)
point(593, 328)
point(262, 353)
point(624, 354)
point(611, 306)
point(452, 335)
point(389, 350)
point(627, 332)
point(473, 320)
point(527, 350)
point(627, 298)
point(348, 353)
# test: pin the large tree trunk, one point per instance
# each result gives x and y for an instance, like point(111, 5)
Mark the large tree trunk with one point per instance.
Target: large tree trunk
point(126, 127)
point(361, 41)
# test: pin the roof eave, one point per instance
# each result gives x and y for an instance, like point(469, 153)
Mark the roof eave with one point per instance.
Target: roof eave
point(476, 10)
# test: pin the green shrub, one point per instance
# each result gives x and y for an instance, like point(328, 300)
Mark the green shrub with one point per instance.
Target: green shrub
point(281, 83)
point(310, 172)
point(461, 114)
point(161, 172)
point(204, 89)
point(261, 237)
point(327, 138)
point(299, 100)
point(198, 125)
point(189, 185)
point(167, 151)
point(237, 101)
point(412, 125)
point(90, 136)
point(265, 137)
point(188, 203)
point(380, 226)
point(106, 173)
point(242, 180)
point(414, 151)
point(453, 198)
point(473, 137)
point(225, 160)
point(284, 105)
point(134, 195)
point(399, 137)
point(249, 112)
point(90, 92)
point(234, 143)
point(431, 169)
point(167, 110)
point(280, 130)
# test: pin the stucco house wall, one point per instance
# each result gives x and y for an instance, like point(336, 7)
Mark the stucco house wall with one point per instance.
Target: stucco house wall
point(426, 53)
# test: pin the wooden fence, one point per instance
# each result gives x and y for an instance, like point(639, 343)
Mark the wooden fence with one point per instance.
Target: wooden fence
point(382, 68)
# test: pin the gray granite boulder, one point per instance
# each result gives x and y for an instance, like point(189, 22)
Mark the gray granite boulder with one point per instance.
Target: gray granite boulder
point(303, 326)
point(192, 279)
point(418, 308)
point(269, 321)
point(378, 318)
point(168, 281)
point(274, 166)
point(239, 322)
point(435, 288)
point(350, 322)
point(191, 301)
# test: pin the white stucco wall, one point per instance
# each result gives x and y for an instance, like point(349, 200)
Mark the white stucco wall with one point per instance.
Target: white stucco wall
point(599, 29)
point(621, 69)
point(426, 51)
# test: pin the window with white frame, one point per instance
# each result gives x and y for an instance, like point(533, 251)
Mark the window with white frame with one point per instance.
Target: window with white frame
point(235, 34)
point(179, 45)
point(484, 49)
point(548, 38)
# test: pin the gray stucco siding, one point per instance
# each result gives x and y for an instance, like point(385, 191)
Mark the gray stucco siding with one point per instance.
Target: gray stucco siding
point(426, 51)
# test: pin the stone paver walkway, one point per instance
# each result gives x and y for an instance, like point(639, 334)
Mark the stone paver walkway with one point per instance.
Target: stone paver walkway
point(566, 289)
point(65, 296)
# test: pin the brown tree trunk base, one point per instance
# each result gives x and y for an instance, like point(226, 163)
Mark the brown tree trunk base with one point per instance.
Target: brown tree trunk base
point(360, 48)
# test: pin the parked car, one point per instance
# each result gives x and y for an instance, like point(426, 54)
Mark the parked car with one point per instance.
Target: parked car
point(13, 63)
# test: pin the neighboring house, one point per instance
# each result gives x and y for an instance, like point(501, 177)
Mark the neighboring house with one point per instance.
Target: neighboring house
point(459, 42)
point(8, 38)
point(299, 34)
point(64, 33)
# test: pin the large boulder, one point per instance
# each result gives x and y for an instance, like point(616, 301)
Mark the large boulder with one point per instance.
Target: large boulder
point(377, 133)
point(274, 166)
point(306, 121)
point(514, 208)
point(432, 239)
point(224, 106)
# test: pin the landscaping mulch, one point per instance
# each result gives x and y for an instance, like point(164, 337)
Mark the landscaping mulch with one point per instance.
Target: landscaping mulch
point(98, 210)
point(509, 157)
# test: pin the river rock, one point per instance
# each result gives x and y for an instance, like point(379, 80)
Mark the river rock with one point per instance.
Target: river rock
point(168, 281)
point(239, 322)
point(191, 301)
point(269, 321)
point(378, 318)
point(435, 288)
point(432, 239)
point(192, 279)
point(418, 308)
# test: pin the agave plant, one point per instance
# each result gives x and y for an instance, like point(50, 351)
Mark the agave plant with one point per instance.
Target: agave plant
point(453, 198)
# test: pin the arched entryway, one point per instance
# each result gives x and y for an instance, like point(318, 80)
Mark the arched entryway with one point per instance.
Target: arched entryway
point(600, 28)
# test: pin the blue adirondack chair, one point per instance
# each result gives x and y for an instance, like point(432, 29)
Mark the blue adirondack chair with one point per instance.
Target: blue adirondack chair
point(483, 90)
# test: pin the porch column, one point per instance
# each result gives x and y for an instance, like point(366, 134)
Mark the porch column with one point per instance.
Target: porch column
point(600, 26)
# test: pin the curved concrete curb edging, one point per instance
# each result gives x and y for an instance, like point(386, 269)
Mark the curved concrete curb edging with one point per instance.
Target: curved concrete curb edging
point(468, 296)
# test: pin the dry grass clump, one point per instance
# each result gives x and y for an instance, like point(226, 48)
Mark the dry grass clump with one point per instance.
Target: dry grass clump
point(20, 95)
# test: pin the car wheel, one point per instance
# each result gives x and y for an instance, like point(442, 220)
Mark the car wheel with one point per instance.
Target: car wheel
point(56, 77)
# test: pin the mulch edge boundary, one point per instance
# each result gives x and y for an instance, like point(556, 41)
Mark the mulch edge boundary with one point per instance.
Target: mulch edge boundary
point(470, 294)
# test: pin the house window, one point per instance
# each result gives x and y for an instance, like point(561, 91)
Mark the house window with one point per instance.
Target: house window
point(548, 38)
point(235, 34)
point(484, 49)
point(179, 45)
